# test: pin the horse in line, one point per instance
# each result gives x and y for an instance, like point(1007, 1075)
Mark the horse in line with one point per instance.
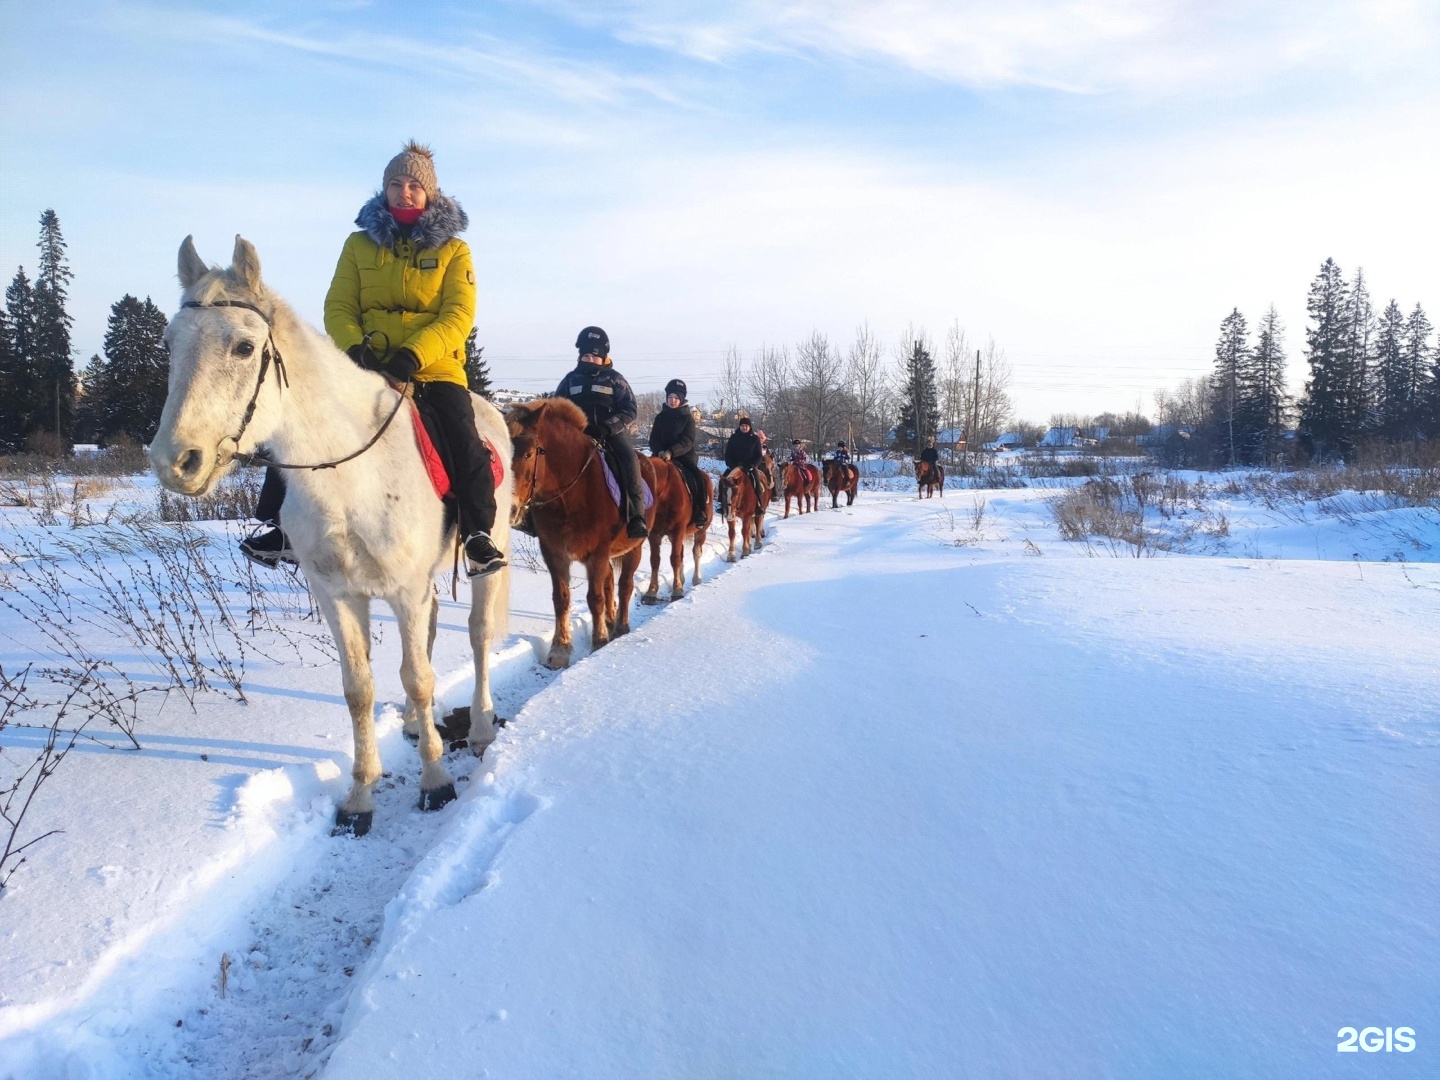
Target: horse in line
point(245, 373)
point(841, 476)
point(745, 506)
point(800, 482)
point(560, 490)
point(929, 478)
point(674, 520)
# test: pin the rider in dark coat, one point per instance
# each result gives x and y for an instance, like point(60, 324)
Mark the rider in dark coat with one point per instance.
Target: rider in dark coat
point(841, 454)
point(672, 439)
point(608, 403)
point(930, 455)
point(743, 451)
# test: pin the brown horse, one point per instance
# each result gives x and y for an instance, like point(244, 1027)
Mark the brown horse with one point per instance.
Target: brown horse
point(560, 486)
point(841, 477)
point(929, 478)
point(743, 504)
point(800, 482)
point(674, 519)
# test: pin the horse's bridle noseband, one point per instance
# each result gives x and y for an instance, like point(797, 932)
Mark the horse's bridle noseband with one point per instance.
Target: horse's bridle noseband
point(282, 382)
point(522, 509)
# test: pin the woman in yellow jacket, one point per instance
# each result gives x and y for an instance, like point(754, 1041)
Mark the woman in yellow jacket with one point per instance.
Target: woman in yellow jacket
point(402, 302)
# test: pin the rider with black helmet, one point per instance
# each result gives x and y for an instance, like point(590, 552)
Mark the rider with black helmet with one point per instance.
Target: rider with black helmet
point(672, 438)
point(608, 403)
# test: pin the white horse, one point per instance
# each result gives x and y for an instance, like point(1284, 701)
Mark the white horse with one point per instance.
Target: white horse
point(246, 372)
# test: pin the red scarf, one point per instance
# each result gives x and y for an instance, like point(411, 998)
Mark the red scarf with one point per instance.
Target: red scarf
point(406, 215)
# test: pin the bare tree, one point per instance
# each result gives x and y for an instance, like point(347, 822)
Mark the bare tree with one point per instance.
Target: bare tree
point(820, 389)
point(647, 406)
point(771, 386)
point(732, 382)
point(955, 379)
point(867, 380)
point(991, 395)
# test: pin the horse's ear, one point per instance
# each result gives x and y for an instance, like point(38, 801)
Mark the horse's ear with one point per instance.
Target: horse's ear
point(192, 267)
point(245, 264)
point(524, 416)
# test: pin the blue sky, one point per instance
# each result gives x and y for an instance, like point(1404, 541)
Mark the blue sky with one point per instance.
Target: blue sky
point(1094, 184)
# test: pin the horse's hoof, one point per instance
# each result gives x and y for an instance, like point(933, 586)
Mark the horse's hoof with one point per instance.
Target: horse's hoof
point(440, 797)
point(412, 737)
point(348, 824)
point(650, 599)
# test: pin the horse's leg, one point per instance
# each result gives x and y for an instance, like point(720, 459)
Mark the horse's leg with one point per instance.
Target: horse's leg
point(698, 549)
point(486, 594)
point(349, 620)
point(629, 563)
point(412, 720)
point(730, 521)
point(597, 574)
point(652, 591)
point(558, 563)
point(677, 562)
point(437, 787)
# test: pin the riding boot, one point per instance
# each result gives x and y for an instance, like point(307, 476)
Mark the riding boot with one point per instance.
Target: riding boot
point(629, 468)
point(272, 496)
point(695, 482)
point(470, 475)
point(269, 546)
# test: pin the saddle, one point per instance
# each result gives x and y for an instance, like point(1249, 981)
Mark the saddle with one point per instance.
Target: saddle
point(612, 482)
point(439, 457)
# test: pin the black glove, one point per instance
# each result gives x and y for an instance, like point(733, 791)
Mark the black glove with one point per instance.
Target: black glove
point(402, 365)
point(596, 432)
point(363, 355)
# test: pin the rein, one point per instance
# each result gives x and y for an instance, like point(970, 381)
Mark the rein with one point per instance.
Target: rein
point(282, 382)
point(533, 502)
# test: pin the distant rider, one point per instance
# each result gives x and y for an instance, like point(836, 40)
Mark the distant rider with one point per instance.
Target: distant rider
point(930, 455)
point(608, 403)
point(841, 455)
point(672, 439)
point(797, 453)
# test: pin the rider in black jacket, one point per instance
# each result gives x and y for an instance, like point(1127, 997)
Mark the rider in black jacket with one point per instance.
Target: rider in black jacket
point(743, 451)
point(930, 455)
point(672, 438)
point(605, 398)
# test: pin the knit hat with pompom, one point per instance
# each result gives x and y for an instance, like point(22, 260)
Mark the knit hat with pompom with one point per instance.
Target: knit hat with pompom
point(417, 161)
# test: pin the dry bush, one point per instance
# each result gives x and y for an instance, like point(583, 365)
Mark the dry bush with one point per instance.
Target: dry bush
point(233, 499)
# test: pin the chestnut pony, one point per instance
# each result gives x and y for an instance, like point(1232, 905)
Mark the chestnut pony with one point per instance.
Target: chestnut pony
point(929, 479)
point(802, 482)
point(742, 504)
point(560, 487)
point(673, 521)
point(841, 477)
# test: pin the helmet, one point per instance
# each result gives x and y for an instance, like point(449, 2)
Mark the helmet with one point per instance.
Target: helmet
point(841, 444)
point(676, 387)
point(594, 341)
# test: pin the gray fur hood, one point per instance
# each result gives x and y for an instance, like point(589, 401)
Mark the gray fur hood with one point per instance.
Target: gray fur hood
point(442, 221)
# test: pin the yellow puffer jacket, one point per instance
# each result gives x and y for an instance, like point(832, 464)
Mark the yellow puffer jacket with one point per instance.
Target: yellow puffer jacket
point(415, 292)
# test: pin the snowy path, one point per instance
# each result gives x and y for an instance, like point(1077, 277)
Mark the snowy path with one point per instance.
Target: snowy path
point(877, 803)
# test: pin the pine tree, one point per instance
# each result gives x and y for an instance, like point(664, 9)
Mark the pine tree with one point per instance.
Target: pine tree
point(11, 420)
point(1395, 404)
point(19, 388)
point(1265, 377)
point(1324, 415)
point(53, 404)
point(1231, 352)
point(477, 372)
point(137, 370)
point(919, 401)
point(90, 403)
point(1419, 355)
point(1360, 413)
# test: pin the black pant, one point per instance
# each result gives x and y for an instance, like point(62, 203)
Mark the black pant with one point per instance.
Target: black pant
point(465, 455)
point(622, 450)
point(689, 466)
point(272, 494)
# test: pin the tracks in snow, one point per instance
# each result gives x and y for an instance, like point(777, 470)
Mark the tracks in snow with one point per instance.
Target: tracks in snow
point(300, 954)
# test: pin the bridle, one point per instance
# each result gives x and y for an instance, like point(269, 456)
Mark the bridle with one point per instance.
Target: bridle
point(270, 352)
point(523, 509)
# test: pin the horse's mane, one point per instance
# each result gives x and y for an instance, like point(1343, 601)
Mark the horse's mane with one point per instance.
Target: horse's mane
point(527, 413)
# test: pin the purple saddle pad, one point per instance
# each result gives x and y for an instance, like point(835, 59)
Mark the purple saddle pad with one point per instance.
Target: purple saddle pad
point(614, 485)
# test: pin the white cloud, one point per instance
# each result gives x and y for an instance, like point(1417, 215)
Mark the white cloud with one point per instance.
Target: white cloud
point(1071, 45)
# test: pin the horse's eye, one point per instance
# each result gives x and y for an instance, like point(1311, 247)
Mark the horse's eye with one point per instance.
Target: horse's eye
point(245, 348)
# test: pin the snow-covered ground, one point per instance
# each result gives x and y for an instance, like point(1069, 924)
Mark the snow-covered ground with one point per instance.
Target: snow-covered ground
point(921, 790)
